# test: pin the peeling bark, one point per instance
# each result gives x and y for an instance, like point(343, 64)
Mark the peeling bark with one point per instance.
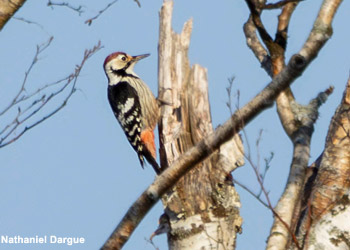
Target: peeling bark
point(203, 207)
point(282, 232)
point(210, 144)
point(297, 120)
point(324, 219)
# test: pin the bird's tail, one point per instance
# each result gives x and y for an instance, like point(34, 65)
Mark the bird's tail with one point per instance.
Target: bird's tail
point(149, 149)
point(151, 160)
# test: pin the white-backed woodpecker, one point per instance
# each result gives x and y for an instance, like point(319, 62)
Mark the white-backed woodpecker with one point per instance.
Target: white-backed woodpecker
point(133, 104)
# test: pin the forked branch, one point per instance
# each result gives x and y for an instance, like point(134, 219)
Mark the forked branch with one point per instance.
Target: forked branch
point(222, 134)
point(27, 104)
point(78, 9)
point(202, 150)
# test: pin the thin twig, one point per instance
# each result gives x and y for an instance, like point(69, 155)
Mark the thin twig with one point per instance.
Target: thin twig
point(186, 161)
point(78, 9)
point(39, 103)
point(251, 192)
point(152, 243)
point(229, 94)
point(257, 145)
point(257, 167)
point(17, 99)
point(269, 204)
point(138, 3)
point(30, 22)
point(89, 21)
point(267, 167)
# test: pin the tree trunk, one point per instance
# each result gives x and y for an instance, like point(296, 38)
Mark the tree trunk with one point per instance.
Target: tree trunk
point(201, 204)
point(203, 208)
point(324, 219)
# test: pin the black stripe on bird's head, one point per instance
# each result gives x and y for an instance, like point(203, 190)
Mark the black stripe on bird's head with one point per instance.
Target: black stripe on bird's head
point(120, 63)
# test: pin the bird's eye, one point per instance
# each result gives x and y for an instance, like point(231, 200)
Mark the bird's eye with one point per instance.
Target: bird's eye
point(123, 58)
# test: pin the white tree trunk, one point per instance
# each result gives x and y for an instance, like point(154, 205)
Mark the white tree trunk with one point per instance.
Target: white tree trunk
point(332, 231)
point(324, 220)
point(203, 208)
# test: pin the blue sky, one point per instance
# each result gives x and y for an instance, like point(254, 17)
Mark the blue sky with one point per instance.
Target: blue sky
point(75, 175)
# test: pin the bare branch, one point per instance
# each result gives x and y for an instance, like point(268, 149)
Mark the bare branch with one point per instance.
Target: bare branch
point(38, 101)
point(39, 49)
point(255, 13)
point(138, 3)
point(31, 22)
point(251, 192)
point(78, 9)
point(266, 169)
point(222, 134)
point(296, 119)
point(229, 93)
point(275, 47)
point(260, 179)
point(89, 21)
point(257, 48)
point(330, 184)
point(257, 173)
point(279, 4)
point(305, 117)
point(152, 243)
point(203, 149)
point(284, 100)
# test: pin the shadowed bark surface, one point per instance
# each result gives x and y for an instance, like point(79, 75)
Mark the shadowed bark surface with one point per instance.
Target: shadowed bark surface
point(188, 169)
point(324, 216)
point(203, 207)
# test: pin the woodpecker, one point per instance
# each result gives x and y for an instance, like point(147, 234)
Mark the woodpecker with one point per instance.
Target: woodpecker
point(133, 104)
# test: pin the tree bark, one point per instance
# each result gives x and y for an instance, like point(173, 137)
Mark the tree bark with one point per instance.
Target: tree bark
point(211, 143)
point(297, 120)
point(203, 208)
point(8, 9)
point(325, 215)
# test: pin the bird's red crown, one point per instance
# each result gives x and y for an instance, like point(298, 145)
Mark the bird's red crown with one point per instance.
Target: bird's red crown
point(112, 56)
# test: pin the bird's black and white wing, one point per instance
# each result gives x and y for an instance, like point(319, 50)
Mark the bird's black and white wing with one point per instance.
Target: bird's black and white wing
point(128, 112)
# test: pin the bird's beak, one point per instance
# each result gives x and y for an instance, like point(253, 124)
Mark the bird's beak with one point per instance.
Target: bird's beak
point(139, 57)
